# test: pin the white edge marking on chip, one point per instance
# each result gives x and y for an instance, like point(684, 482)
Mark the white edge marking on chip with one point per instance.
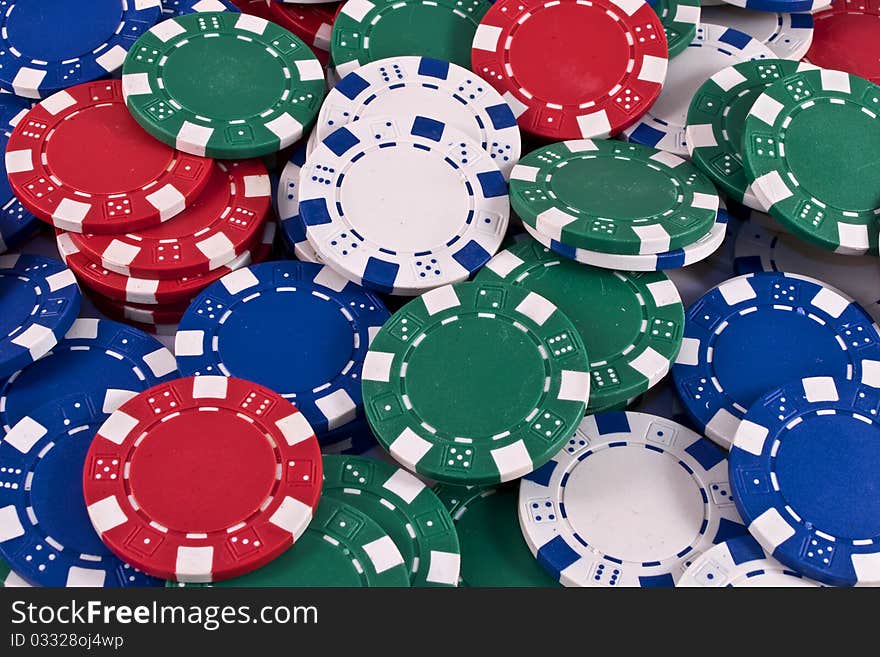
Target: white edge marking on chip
point(727, 78)
point(377, 366)
point(522, 172)
point(722, 427)
point(820, 389)
point(121, 252)
point(19, 161)
point(536, 308)
point(161, 362)
point(766, 109)
point(37, 339)
point(189, 343)
point(10, 524)
point(295, 428)
point(574, 386)
point(383, 554)
point(310, 69)
point(112, 59)
point(629, 7)
point(737, 290)
point(83, 328)
point(853, 239)
point(773, 187)
point(871, 373)
point(688, 14)
point(251, 23)
point(835, 81)
point(106, 514)
point(552, 221)
point(329, 278)
point(486, 38)
point(440, 299)
point(594, 124)
point(69, 214)
point(444, 568)
point(669, 159)
point(504, 263)
point(409, 447)
point(689, 354)
point(257, 186)
point(512, 461)
point(167, 30)
point(117, 427)
point(136, 84)
point(78, 577)
point(652, 239)
point(338, 407)
point(217, 248)
point(192, 138)
point(114, 398)
point(293, 516)
point(168, 200)
point(705, 202)
point(57, 103)
point(653, 69)
point(210, 387)
point(516, 105)
point(772, 528)
point(404, 485)
point(750, 437)
point(867, 568)
point(27, 81)
point(701, 135)
point(286, 128)
point(831, 302)
point(650, 364)
point(239, 280)
point(664, 293)
point(576, 146)
point(24, 435)
point(357, 9)
point(194, 564)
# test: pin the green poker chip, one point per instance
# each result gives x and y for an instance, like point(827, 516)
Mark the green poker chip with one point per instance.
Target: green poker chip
point(810, 147)
point(631, 322)
point(342, 547)
point(476, 383)
point(679, 19)
point(716, 119)
point(493, 552)
point(613, 197)
point(223, 85)
point(406, 509)
point(367, 31)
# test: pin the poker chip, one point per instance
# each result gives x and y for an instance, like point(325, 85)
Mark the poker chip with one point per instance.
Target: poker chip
point(612, 63)
point(151, 291)
point(759, 249)
point(176, 91)
point(845, 39)
point(680, 19)
point(9, 578)
point(342, 547)
point(47, 536)
point(493, 553)
point(39, 301)
point(172, 8)
point(804, 468)
point(313, 23)
point(95, 356)
point(782, 5)
point(225, 219)
point(800, 129)
point(715, 122)
point(687, 255)
point(405, 508)
point(714, 48)
point(137, 313)
point(355, 438)
point(78, 161)
point(366, 31)
point(586, 529)
point(293, 229)
point(756, 332)
point(48, 45)
point(613, 197)
point(788, 35)
point(739, 562)
point(377, 238)
point(155, 505)
point(400, 86)
point(631, 343)
point(510, 409)
point(16, 223)
point(244, 326)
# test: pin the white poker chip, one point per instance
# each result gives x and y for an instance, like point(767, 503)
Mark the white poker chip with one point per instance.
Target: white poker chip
point(788, 35)
point(631, 500)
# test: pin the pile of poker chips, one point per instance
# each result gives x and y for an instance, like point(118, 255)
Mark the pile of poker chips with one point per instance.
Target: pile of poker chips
point(537, 233)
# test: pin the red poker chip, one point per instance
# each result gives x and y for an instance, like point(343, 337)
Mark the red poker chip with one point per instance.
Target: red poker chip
point(153, 291)
point(311, 23)
point(254, 7)
point(80, 162)
point(139, 314)
point(846, 37)
point(572, 69)
point(203, 478)
point(213, 231)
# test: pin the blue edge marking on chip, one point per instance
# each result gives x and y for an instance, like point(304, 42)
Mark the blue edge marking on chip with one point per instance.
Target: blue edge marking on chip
point(54, 497)
point(556, 555)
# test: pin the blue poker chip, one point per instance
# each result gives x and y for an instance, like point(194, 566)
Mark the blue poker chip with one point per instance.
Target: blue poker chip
point(293, 228)
point(49, 45)
point(356, 437)
point(39, 301)
point(45, 532)
point(16, 223)
point(753, 333)
point(105, 357)
point(172, 8)
point(805, 470)
point(296, 327)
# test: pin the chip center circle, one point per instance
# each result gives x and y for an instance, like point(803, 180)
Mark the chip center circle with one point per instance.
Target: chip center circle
point(202, 471)
point(461, 368)
point(841, 138)
point(552, 66)
point(205, 76)
point(406, 199)
point(620, 188)
point(654, 514)
point(25, 29)
point(837, 455)
point(104, 131)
